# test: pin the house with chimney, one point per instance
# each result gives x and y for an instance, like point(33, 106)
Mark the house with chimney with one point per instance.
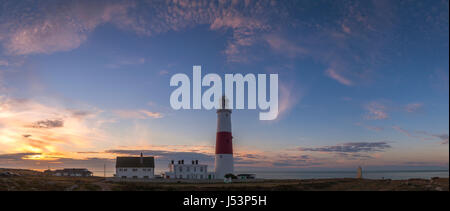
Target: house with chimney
point(191, 171)
point(135, 167)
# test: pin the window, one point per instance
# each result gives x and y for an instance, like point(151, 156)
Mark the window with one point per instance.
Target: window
point(201, 169)
point(201, 176)
point(134, 169)
point(187, 169)
point(145, 177)
point(181, 169)
point(120, 169)
point(125, 169)
point(135, 177)
point(124, 177)
point(195, 169)
point(144, 169)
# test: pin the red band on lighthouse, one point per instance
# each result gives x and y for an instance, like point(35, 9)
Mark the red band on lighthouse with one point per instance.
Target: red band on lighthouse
point(224, 143)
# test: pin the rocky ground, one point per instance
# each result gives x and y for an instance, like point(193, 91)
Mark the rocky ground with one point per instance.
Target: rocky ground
point(27, 180)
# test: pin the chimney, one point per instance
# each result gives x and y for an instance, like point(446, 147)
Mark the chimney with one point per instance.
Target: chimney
point(142, 158)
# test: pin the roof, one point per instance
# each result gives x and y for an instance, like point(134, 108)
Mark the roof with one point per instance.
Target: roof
point(135, 162)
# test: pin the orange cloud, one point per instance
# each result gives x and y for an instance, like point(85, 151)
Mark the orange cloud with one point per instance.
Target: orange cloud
point(283, 46)
point(61, 29)
point(29, 126)
point(138, 114)
point(332, 73)
point(377, 111)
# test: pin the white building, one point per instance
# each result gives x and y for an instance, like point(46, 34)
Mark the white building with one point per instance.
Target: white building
point(188, 171)
point(135, 167)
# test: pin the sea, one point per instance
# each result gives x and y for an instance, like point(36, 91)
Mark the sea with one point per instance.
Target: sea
point(395, 175)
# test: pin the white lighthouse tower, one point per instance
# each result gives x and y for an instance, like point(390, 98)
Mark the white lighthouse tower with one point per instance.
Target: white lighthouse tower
point(224, 146)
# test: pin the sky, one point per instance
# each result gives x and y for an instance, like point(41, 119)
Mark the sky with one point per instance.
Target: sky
point(361, 83)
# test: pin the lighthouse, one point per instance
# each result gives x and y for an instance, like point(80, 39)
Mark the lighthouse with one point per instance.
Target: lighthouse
point(224, 146)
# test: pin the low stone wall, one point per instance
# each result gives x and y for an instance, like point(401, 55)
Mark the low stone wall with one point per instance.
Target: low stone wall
point(194, 181)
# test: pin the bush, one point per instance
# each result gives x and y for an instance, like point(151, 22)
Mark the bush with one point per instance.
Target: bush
point(232, 176)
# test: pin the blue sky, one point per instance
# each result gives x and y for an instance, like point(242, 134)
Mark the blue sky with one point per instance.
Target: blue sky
point(361, 83)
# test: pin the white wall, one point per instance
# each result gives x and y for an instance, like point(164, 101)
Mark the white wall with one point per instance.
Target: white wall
point(140, 173)
point(224, 165)
point(188, 171)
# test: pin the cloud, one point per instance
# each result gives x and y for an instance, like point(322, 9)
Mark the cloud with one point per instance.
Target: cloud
point(443, 137)
point(30, 126)
point(4, 63)
point(295, 161)
point(332, 73)
point(354, 156)
point(82, 114)
point(406, 132)
point(246, 29)
point(48, 124)
point(65, 26)
point(16, 156)
point(341, 43)
point(34, 161)
point(293, 164)
point(126, 62)
point(163, 72)
point(137, 114)
point(377, 111)
point(422, 135)
point(205, 154)
point(352, 147)
point(374, 128)
point(284, 46)
point(165, 155)
point(413, 107)
point(329, 50)
point(346, 29)
point(289, 97)
point(52, 27)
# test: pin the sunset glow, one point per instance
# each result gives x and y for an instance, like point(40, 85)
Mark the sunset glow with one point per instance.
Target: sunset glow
point(360, 83)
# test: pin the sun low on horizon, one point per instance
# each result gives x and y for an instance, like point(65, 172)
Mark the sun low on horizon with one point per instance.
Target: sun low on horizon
point(360, 83)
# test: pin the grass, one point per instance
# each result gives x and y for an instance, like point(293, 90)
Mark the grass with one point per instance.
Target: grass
point(32, 181)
